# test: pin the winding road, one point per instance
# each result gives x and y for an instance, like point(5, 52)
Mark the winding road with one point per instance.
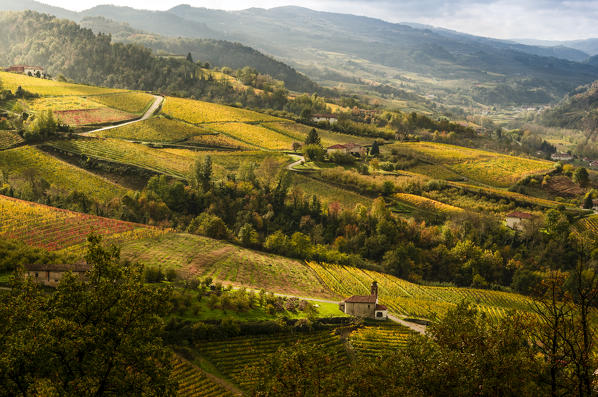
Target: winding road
point(158, 100)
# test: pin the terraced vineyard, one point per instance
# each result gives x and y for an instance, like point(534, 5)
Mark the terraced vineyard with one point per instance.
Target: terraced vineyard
point(52, 228)
point(428, 204)
point(9, 139)
point(59, 174)
point(193, 382)
point(225, 262)
point(42, 87)
point(198, 112)
point(128, 153)
point(405, 298)
point(375, 340)
point(299, 132)
point(589, 223)
point(488, 168)
point(231, 356)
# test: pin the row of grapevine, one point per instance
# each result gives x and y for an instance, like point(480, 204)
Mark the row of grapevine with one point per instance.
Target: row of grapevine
point(193, 382)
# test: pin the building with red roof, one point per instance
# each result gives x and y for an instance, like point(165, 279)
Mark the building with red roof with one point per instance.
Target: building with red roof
point(365, 305)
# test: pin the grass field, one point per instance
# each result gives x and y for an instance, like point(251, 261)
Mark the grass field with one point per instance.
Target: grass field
point(61, 175)
point(405, 298)
point(9, 139)
point(479, 166)
point(231, 356)
point(52, 228)
point(129, 153)
point(201, 256)
point(42, 87)
point(198, 112)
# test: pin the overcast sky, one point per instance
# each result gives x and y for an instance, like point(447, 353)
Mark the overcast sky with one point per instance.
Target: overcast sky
point(539, 19)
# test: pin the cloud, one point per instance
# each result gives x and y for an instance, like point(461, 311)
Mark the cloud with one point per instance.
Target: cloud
point(540, 19)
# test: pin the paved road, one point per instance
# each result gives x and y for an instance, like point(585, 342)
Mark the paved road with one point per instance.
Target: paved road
point(148, 114)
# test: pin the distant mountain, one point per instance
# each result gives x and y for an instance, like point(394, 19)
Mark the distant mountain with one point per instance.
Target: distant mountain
point(545, 49)
point(456, 68)
point(589, 46)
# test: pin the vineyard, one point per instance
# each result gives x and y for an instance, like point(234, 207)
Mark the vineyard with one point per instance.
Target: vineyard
point(328, 193)
point(129, 153)
point(589, 223)
point(198, 112)
point(193, 382)
point(63, 103)
point(299, 132)
point(42, 87)
point(428, 204)
point(375, 340)
point(52, 228)
point(158, 129)
point(103, 115)
point(255, 135)
point(58, 174)
point(130, 102)
point(232, 356)
point(225, 262)
point(405, 298)
point(9, 139)
point(489, 168)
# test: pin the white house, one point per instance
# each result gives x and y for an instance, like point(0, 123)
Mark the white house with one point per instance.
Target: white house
point(27, 70)
point(365, 306)
point(347, 148)
point(316, 118)
point(561, 157)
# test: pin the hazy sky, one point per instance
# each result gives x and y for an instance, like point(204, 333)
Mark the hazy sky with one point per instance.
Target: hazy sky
point(540, 19)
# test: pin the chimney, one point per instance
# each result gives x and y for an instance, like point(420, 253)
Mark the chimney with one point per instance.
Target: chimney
point(374, 289)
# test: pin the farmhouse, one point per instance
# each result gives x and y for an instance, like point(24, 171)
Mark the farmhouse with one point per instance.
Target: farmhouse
point(365, 306)
point(561, 157)
point(50, 275)
point(517, 220)
point(316, 118)
point(348, 148)
point(27, 70)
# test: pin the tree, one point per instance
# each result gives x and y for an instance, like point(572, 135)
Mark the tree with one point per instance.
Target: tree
point(96, 335)
point(588, 202)
point(313, 138)
point(296, 146)
point(314, 152)
point(189, 57)
point(203, 173)
point(209, 225)
point(248, 235)
point(375, 150)
point(581, 176)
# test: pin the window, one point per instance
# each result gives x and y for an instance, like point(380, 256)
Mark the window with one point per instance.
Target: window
point(378, 314)
point(36, 274)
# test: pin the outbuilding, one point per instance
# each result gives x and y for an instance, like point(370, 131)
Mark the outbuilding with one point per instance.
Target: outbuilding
point(365, 306)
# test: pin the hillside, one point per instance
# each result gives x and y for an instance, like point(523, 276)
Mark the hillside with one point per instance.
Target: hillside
point(579, 110)
point(353, 46)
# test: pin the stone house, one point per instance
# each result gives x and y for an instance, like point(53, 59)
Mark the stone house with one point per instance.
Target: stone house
point(50, 275)
point(27, 70)
point(348, 148)
point(365, 306)
point(518, 220)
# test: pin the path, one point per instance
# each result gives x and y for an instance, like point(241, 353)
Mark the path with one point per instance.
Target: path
point(148, 114)
point(291, 166)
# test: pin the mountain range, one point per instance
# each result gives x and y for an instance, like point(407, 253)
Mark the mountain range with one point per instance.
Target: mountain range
point(348, 50)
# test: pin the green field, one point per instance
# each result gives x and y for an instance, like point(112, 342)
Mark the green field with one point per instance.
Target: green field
point(328, 193)
point(377, 339)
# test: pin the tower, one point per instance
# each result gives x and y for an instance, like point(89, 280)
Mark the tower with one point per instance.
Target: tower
point(374, 290)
